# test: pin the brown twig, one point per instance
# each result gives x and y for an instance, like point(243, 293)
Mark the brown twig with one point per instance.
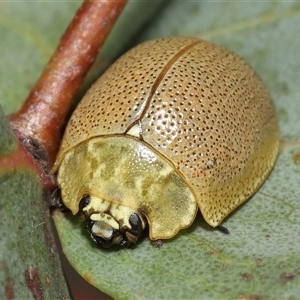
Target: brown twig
point(43, 114)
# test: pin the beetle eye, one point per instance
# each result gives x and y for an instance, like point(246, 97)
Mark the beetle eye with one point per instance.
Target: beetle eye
point(136, 224)
point(85, 201)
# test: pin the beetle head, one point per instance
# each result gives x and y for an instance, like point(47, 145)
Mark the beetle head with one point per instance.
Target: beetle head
point(111, 224)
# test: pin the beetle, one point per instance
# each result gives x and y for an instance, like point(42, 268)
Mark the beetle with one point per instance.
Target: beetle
point(174, 125)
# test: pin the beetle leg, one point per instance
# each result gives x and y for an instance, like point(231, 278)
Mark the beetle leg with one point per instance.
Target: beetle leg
point(56, 201)
point(223, 229)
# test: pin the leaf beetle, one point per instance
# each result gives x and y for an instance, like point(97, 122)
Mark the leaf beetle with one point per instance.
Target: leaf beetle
point(174, 125)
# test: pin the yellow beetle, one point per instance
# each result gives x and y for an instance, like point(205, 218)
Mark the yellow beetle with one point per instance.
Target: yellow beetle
point(176, 124)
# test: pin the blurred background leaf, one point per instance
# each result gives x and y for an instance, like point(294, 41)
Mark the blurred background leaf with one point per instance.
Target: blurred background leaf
point(261, 257)
point(30, 265)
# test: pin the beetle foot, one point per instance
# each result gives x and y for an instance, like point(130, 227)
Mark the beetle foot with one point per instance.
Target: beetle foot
point(223, 229)
point(157, 243)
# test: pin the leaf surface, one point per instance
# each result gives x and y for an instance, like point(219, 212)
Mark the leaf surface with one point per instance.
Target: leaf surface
point(261, 256)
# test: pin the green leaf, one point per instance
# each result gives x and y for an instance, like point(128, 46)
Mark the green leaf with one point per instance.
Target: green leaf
point(261, 256)
point(8, 141)
point(30, 266)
